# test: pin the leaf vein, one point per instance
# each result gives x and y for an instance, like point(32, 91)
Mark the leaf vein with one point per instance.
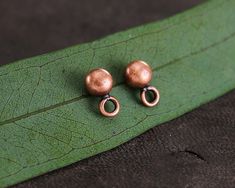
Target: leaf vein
point(76, 99)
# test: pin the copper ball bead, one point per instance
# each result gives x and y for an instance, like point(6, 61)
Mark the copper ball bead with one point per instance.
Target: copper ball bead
point(99, 82)
point(138, 74)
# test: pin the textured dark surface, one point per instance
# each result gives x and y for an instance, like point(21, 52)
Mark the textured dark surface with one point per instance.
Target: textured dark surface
point(196, 150)
point(30, 28)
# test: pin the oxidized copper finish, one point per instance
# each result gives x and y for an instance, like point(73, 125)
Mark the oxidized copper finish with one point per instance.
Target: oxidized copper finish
point(99, 82)
point(138, 74)
point(102, 106)
point(156, 96)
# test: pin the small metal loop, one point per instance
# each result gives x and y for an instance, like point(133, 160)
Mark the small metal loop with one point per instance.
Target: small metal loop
point(156, 96)
point(102, 106)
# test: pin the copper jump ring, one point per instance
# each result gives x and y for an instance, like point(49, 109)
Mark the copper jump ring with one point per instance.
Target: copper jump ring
point(102, 106)
point(155, 93)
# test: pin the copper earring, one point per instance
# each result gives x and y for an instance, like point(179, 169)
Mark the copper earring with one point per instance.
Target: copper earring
point(138, 74)
point(99, 82)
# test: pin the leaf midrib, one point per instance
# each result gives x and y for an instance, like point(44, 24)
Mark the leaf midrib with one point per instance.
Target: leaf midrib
point(86, 146)
point(76, 99)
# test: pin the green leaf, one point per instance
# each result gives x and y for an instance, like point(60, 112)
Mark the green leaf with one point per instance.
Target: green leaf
point(47, 120)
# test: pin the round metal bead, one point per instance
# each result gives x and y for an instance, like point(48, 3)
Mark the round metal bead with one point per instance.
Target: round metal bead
point(99, 82)
point(138, 74)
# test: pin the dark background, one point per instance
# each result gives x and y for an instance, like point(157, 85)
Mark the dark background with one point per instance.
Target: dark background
point(32, 27)
point(195, 150)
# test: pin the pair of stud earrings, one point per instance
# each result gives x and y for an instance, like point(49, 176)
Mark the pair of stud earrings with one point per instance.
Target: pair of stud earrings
point(138, 74)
